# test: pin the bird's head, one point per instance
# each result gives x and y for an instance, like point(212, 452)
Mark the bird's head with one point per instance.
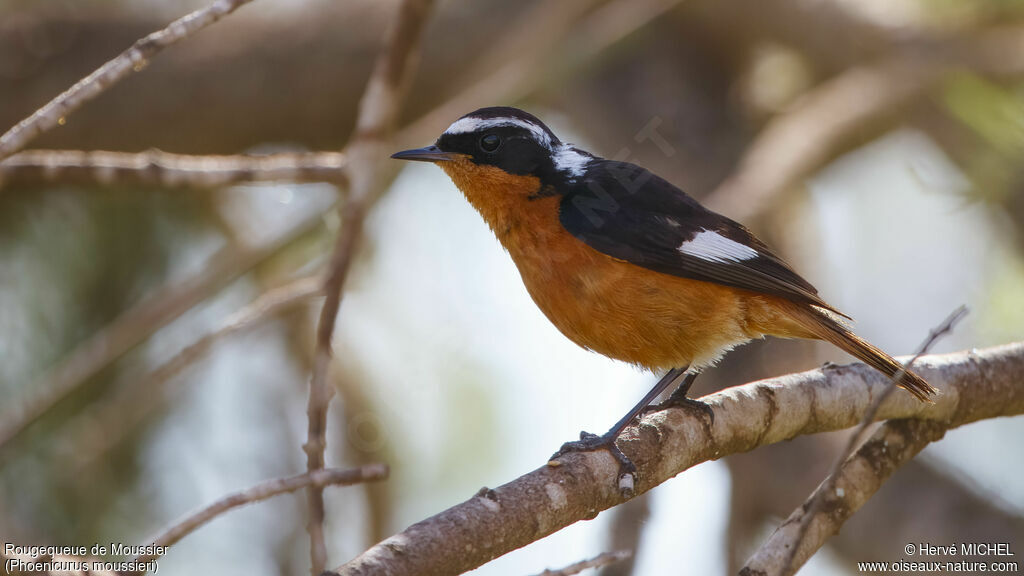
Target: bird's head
point(501, 155)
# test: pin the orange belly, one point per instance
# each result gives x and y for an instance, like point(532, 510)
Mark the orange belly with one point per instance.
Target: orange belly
point(627, 312)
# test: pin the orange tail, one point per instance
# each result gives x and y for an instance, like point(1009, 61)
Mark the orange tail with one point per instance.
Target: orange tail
point(827, 328)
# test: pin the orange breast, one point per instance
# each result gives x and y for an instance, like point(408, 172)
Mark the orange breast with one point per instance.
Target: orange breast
point(618, 309)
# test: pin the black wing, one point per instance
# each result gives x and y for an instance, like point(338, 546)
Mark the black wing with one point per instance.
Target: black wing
point(631, 214)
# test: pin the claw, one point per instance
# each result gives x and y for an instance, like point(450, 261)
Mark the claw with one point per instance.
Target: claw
point(683, 402)
point(590, 442)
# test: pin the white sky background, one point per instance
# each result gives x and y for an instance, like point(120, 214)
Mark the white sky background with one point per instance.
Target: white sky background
point(477, 387)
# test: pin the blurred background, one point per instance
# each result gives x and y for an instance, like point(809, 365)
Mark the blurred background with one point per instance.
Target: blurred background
point(906, 118)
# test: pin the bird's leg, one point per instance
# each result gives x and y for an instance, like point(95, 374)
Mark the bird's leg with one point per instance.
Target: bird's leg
point(679, 398)
point(589, 442)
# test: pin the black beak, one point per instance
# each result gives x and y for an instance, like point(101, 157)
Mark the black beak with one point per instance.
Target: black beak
point(427, 154)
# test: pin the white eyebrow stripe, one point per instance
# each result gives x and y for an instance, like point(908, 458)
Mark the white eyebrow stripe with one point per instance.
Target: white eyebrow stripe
point(713, 247)
point(471, 124)
point(571, 161)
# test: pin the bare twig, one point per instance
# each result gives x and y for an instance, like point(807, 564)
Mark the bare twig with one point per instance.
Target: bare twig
point(134, 59)
point(378, 113)
point(137, 324)
point(861, 475)
point(319, 392)
point(263, 491)
point(595, 562)
point(813, 506)
point(166, 170)
point(973, 386)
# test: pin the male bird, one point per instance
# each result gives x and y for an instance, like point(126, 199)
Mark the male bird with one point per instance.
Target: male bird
point(626, 264)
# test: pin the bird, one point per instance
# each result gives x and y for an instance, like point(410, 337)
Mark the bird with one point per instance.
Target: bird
point(628, 265)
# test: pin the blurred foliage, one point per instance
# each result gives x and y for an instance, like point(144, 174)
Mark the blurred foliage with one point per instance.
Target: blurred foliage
point(75, 259)
point(995, 114)
point(972, 11)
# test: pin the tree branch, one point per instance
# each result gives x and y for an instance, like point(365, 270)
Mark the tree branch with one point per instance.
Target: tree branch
point(158, 168)
point(860, 476)
point(131, 60)
point(378, 113)
point(973, 386)
point(319, 478)
point(813, 506)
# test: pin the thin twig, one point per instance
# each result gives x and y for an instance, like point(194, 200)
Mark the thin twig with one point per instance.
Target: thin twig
point(319, 392)
point(319, 478)
point(378, 113)
point(974, 385)
point(158, 168)
point(596, 562)
point(134, 59)
point(828, 486)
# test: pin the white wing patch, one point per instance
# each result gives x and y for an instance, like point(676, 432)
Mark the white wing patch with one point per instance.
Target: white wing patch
point(471, 124)
point(571, 161)
point(713, 247)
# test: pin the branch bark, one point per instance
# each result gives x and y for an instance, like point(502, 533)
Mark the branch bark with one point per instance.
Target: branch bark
point(158, 168)
point(973, 386)
point(131, 60)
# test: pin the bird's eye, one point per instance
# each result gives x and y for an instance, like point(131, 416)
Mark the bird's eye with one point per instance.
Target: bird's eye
point(490, 142)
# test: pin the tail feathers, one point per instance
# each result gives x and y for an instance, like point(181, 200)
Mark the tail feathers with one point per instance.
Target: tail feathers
point(831, 330)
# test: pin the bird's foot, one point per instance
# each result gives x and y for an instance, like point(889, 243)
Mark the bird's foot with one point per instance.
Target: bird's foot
point(682, 401)
point(590, 442)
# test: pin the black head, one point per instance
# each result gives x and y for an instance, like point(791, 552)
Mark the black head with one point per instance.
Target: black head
point(507, 138)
